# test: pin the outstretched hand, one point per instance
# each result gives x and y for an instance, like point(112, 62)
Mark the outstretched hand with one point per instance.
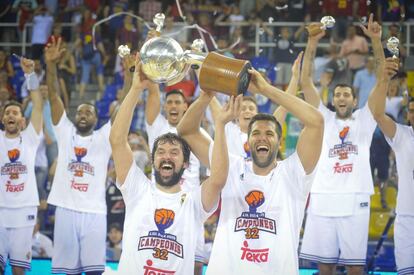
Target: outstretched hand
point(373, 29)
point(230, 110)
point(296, 68)
point(316, 31)
point(27, 65)
point(139, 80)
point(257, 82)
point(53, 51)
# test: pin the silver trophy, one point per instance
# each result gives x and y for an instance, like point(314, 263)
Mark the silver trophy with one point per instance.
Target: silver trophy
point(392, 45)
point(164, 61)
point(327, 22)
point(123, 50)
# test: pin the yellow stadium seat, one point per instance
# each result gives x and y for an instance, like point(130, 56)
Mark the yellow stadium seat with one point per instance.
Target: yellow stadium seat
point(377, 222)
point(376, 199)
point(391, 197)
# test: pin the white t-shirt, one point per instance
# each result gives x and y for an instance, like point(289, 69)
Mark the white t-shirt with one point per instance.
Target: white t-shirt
point(17, 163)
point(160, 229)
point(260, 219)
point(393, 106)
point(79, 182)
point(403, 146)
point(160, 126)
point(344, 169)
point(236, 140)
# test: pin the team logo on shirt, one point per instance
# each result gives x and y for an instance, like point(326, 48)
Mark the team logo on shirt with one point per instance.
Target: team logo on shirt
point(150, 270)
point(254, 255)
point(246, 148)
point(14, 168)
point(341, 169)
point(158, 240)
point(79, 167)
point(345, 148)
point(252, 222)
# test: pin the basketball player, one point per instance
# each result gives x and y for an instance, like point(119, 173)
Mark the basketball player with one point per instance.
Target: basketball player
point(263, 200)
point(78, 189)
point(336, 230)
point(161, 222)
point(401, 139)
point(236, 133)
point(19, 197)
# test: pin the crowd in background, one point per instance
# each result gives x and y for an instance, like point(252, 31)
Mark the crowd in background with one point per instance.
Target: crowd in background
point(89, 74)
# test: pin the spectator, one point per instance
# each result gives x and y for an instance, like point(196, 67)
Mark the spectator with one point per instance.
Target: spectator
point(394, 101)
point(67, 75)
point(114, 244)
point(148, 8)
point(235, 17)
point(364, 82)
point(180, 34)
point(205, 22)
point(117, 22)
point(4, 99)
point(284, 56)
point(42, 245)
point(5, 64)
point(391, 10)
point(354, 48)
point(241, 50)
point(7, 15)
point(24, 10)
point(56, 33)
point(343, 11)
point(247, 7)
point(114, 201)
point(140, 151)
point(42, 26)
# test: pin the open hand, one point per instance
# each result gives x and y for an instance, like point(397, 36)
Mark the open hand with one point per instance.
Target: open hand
point(53, 51)
point(230, 110)
point(296, 68)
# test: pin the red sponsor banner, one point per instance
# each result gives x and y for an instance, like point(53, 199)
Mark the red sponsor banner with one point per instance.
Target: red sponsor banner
point(254, 255)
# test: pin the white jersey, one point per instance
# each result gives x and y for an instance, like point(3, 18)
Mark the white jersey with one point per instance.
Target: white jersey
point(260, 219)
point(160, 126)
point(403, 146)
point(79, 182)
point(344, 162)
point(17, 162)
point(236, 140)
point(160, 229)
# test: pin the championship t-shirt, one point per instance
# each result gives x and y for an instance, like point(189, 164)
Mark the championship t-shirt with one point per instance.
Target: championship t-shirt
point(236, 140)
point(403, 146)
point(260, 219)
point(160, 229)
point(79, 182)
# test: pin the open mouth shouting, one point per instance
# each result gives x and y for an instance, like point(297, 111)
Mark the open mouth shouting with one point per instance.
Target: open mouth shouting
point(262, 150)
point(166, 168)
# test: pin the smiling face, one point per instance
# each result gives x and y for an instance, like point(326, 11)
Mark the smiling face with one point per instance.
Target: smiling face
point(175, 107)
point(168, 162)
point(12, 119)
point(263, 142)
point(85, 119)
point(344, 102)
point(248, 109)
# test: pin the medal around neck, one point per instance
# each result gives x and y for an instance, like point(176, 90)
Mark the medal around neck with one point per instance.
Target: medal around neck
point(164, 61)
point(392, 45)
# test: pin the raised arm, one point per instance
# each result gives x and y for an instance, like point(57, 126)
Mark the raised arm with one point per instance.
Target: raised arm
point(36, 117)
point(121, 152)
point(280, 113)
point(153, 104)
point(309, 89)
point(387, 125)
point(211, 188)
point(189, 128)
point(310, 117)
point(53, 52)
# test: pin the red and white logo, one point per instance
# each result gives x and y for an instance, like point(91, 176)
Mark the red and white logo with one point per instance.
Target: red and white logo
point(254, 255)
point(341, 169)
point(150, 270)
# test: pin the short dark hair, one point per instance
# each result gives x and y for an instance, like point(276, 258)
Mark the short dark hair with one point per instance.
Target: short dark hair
point(14, 103)
point(116, 226)
point(172, 139)
point(343, 85)
point(265, 117)
point(90, 104)
point(250, 98)
point(175, 92)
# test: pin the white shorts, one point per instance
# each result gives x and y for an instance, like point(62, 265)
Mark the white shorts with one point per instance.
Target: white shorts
point(79, 242)
point(404, 244)
point(336, 240)
point(200, 255)
point(16, 245)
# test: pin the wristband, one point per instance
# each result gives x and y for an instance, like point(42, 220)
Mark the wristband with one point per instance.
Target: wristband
point(32, 81)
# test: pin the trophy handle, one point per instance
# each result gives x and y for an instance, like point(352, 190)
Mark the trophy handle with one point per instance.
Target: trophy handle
point(223, 74)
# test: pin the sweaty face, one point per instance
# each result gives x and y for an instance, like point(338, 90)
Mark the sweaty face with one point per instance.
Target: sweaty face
point(344, 102)
point(85, 119)
point(168, 164)
point(174, 108)
point(12, 120)
point(263, 142)
point(247, 110)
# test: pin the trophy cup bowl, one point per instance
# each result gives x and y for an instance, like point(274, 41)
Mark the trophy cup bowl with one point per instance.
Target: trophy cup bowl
point(392, 45)
point(164, 61)
point(327, 22)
